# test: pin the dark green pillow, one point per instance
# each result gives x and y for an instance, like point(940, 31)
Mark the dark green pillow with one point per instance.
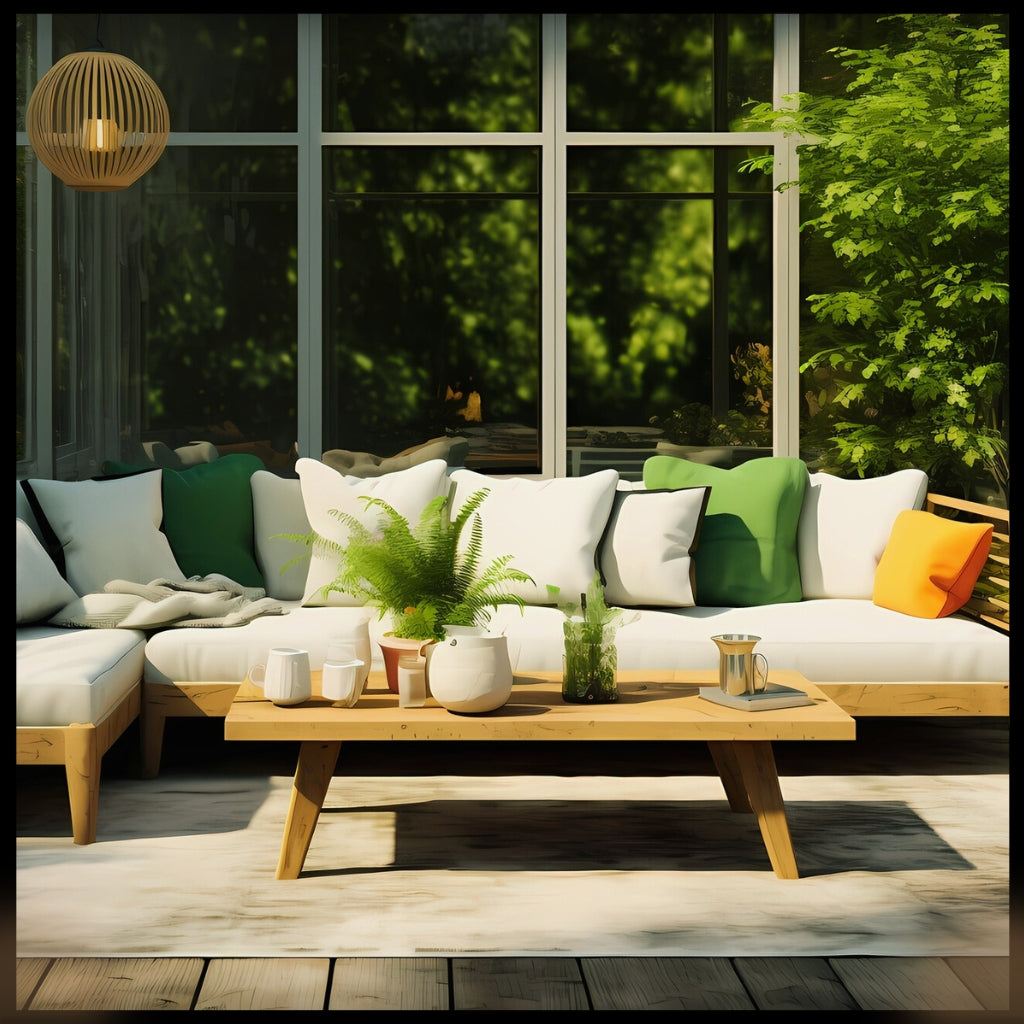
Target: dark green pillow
point(208, 516)
point(747, 553)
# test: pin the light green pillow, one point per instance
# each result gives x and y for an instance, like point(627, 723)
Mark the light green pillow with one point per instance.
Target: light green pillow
point(208, 517)
point(747, 554)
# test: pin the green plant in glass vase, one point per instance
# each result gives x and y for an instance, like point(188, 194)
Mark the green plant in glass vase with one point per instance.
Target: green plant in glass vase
point(429, 575)
point(590, 659)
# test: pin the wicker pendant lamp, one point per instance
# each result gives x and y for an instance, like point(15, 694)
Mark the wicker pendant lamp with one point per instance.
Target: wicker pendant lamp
point(97, 121)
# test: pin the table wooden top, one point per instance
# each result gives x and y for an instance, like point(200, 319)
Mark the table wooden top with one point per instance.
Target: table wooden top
point(661, 705)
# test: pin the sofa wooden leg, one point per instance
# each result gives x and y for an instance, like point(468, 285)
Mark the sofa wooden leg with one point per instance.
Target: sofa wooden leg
point(151, 733)
point(82, 767)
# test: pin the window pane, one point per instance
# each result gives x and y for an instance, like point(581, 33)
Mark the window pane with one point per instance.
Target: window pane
point(432, 323)
point(657, 72)
point(216, 288)
point(218, 72)
point(24, 271)
point(432, 72)
point(649, 263)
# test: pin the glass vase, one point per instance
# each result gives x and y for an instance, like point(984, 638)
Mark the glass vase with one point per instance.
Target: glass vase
point(589, 664)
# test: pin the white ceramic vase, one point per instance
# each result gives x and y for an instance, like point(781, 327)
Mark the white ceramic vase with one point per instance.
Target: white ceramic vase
point(470, 674)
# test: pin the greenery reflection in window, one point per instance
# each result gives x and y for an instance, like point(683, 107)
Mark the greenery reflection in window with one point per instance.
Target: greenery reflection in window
point(432, 72)
point(432, 298)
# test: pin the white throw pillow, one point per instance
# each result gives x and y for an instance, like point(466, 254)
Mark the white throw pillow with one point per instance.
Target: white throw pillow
point(408, 491)
point(39, 589)
point(647, 551)
point(277, 508)
point(551, 528)
point(108, 529)
point(844, 527)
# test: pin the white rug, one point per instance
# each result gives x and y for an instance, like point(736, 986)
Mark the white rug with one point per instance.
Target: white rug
point(514, 866)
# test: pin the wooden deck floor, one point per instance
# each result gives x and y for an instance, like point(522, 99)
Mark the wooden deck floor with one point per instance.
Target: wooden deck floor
point(965, 985)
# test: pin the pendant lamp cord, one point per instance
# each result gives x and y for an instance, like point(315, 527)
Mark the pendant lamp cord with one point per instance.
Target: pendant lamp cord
point(99, 43)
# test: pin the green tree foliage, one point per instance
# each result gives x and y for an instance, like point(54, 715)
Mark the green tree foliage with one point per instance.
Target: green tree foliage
point(905, 178)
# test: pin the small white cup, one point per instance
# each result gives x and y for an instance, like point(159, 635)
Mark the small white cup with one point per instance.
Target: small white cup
point(285, 677)
point(342, 681)
point(412, 682)
point(350, 643)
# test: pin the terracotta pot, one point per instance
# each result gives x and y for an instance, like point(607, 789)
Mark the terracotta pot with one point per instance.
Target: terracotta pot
point(395, 647)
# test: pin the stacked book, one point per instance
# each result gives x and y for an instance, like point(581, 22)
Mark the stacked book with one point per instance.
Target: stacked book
point(771, 698)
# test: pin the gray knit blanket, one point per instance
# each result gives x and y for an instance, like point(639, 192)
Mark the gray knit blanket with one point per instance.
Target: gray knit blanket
point(212, 600)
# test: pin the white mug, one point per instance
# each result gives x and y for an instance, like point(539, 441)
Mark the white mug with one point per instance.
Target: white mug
point(342, 681)
point(285, 678)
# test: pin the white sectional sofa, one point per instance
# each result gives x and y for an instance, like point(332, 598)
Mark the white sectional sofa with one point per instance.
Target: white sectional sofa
point(79, 686)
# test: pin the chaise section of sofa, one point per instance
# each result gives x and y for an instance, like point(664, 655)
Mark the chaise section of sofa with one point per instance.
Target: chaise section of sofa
point(76, 690)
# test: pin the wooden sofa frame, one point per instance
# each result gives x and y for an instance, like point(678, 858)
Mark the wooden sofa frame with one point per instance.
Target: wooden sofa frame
point(990, 605)
point(80, 748)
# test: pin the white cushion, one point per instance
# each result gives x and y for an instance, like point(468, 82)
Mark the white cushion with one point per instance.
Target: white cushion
point(108, 529)
point(647, 550)
point(39, 588)
point(551, 528)
point(844, 527)
point(325, 490)
point(70, 675)
point(277, 510)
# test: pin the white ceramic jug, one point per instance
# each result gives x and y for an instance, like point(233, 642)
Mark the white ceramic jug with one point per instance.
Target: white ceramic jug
point(470, 674)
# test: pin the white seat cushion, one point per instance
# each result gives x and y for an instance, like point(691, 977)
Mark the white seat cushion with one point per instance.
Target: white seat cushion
point(66, 676)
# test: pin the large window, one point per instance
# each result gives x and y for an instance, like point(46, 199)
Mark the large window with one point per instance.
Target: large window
point(370, 230)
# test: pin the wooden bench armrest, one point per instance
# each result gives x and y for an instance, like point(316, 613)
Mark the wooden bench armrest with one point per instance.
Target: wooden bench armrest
point(990, 602)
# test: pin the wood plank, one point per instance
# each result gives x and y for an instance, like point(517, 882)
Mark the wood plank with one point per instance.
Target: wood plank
point(988, 978)
point(389, 983)
point(265, 983)
point(793, 983)
point(517, 983)
point(652, 705)
point(119, 983)
point(664, 983)
point(921, 699)
point(904, 983)
point(28, 972)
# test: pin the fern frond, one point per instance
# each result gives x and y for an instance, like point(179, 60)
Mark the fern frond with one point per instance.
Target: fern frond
point(425, 575)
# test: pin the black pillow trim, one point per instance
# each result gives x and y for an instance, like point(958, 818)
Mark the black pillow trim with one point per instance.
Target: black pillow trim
point(51, 542)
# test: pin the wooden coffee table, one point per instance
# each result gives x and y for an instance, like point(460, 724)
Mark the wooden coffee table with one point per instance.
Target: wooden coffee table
point(651, 706)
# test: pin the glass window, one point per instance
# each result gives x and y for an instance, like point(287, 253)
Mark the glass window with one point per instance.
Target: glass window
point(665, 72)
point(431, 283)
point(432, 72)
point(218, 72)
point(24, 269)
point(653, 251)
point(212, 270)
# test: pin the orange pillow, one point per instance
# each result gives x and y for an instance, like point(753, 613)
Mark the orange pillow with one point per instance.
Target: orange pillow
point(930, 564)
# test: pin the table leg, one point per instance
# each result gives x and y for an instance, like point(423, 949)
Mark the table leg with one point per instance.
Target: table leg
point(729, 771)
point(750, 766)
point(313, 775)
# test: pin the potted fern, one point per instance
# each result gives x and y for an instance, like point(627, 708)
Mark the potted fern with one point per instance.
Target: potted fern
point(426, 576)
